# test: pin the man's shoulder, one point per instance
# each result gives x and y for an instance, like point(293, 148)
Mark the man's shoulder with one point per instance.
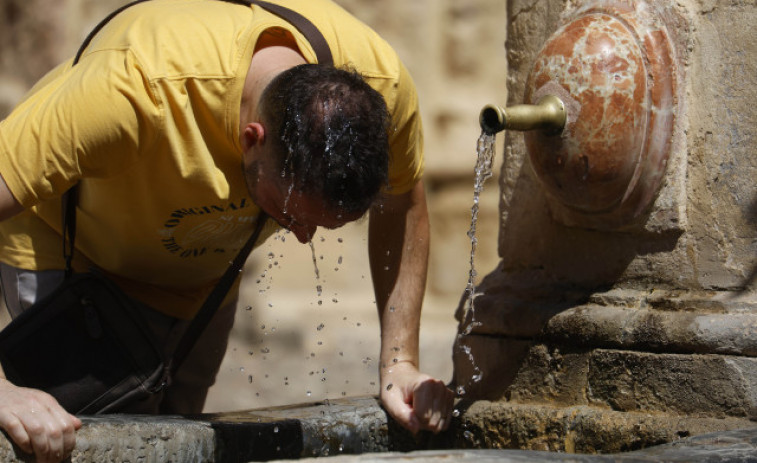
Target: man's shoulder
point(172, 38)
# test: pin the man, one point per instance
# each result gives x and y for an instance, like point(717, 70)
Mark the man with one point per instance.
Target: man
point(152, 125)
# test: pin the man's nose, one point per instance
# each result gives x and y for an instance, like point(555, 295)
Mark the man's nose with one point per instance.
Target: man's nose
point(304, 233)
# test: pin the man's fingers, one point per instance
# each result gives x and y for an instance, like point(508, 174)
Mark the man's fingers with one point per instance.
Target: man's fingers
point(16, 431)
point(401, 411)
point(38, 434)
point(68, 424)
point(432, 403)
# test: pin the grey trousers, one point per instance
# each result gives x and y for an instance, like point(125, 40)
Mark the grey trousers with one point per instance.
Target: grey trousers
point(189, 387)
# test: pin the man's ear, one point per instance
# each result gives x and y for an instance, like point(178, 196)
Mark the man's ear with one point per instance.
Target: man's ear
point(253, 134)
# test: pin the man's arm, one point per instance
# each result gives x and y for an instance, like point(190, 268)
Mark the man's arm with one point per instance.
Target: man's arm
point(398, 249)
point(32, 418)
point(8, 204)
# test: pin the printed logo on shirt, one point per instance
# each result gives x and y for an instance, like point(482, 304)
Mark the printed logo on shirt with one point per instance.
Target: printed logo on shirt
point(216, 228)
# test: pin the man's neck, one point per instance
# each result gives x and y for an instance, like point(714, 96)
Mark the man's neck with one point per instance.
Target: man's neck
point(266, 64)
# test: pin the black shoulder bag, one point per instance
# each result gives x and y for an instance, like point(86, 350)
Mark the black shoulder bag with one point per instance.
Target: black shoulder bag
point(86, 343)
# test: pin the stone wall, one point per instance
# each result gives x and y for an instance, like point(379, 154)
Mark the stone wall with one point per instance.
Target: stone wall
point(455, 51)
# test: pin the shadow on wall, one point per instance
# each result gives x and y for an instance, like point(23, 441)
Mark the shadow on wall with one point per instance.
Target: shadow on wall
point(546, 268)
point(751, 280)
point(537, 250)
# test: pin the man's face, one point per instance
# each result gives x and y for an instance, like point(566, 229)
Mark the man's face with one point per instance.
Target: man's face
point(300, 213)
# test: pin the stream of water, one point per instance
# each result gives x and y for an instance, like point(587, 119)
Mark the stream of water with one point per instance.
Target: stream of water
point(483, 171)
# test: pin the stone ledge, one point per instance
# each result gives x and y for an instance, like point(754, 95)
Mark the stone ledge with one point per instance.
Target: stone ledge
point(688, 332)
point(579, 429)
point(353, 426)
point(631, 381)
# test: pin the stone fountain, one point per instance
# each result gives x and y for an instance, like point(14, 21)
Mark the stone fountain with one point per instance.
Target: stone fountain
point(623, 311)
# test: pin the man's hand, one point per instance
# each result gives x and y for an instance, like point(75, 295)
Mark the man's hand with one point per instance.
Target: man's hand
point(37, 423)
point(415, 400)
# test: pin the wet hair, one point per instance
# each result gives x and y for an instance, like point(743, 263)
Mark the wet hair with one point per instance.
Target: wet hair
point(332, 130)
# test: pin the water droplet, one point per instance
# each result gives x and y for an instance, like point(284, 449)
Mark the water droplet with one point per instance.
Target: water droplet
point(265, 350)
point(309, 393)
point(275, 429)
point(455, 413)
point(389, 386)
point(249, 307)
point(460, 390)
point(340, 240)
point(249, 379)
point(320, 327)
point(391, 308)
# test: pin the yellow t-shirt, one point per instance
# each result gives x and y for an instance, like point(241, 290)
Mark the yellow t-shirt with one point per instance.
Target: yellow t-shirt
point(148, 124)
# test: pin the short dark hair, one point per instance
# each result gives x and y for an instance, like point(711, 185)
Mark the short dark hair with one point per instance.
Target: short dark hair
point(332, 130)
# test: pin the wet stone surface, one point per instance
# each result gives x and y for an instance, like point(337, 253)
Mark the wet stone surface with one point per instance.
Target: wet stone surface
point(358, 430)
point(733, 446)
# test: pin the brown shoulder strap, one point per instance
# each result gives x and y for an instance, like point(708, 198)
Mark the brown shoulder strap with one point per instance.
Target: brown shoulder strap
point(303, 24)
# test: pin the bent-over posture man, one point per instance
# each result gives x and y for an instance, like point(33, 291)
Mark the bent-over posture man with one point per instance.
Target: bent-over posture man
point(182, 121)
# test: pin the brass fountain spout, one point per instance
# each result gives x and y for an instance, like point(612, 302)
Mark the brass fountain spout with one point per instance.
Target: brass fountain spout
point(548, 114)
